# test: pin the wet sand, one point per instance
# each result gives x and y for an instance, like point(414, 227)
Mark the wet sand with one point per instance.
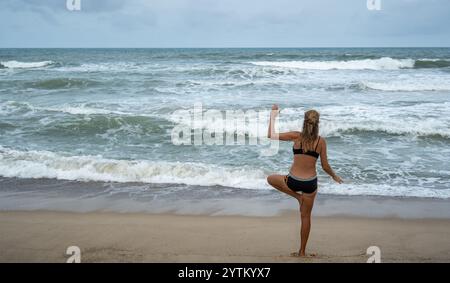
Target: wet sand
point(38, 236)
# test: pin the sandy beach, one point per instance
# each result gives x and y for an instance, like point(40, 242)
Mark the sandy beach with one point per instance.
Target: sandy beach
point(133, 237)
point(150, 132)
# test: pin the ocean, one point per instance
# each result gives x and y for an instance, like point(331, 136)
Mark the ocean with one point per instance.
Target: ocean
point(92, 127)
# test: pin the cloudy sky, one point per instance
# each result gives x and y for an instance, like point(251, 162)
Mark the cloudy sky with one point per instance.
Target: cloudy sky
point(224, 23)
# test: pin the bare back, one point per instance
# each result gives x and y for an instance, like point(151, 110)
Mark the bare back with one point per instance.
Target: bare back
point(304, 166)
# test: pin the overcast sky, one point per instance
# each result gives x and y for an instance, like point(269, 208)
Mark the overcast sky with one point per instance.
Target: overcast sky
point(224, 23)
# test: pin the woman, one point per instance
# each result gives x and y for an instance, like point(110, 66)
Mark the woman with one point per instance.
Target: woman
point(301, 182)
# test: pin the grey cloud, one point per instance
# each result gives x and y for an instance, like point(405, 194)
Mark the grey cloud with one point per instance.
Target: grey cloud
point(226, 22)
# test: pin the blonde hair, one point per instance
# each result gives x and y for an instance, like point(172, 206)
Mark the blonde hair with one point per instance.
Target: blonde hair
point(310, 130)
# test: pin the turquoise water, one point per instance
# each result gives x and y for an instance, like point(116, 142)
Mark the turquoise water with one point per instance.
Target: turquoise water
point(107, 115)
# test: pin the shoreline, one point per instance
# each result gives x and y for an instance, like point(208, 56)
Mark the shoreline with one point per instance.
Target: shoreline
point(75, 196)
point(43, 236)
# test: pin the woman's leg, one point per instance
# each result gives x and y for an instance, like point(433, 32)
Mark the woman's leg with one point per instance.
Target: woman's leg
point(306, 202)
point(305, 215)
point(277, 181)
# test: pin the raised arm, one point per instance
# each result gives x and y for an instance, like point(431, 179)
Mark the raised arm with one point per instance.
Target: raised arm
point(271, 134)
point(324, 161)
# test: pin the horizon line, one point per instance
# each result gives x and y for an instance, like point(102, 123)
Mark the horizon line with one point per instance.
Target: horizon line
point(225, 47)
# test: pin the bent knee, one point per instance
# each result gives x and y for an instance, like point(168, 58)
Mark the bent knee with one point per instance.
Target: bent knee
point(270, 179)
point(273, 179)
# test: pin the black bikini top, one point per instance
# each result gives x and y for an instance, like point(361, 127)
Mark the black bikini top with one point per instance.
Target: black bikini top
point(314, 153)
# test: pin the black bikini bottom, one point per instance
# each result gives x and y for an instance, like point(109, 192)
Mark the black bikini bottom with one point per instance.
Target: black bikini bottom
point(297, 184)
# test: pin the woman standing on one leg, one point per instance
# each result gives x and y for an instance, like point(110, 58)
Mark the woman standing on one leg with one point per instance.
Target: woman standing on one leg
point(301, 182)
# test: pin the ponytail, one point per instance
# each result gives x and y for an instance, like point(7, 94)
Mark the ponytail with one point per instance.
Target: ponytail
point(310, 129)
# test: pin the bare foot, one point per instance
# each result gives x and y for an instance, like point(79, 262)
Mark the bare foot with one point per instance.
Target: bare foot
point(302, 254)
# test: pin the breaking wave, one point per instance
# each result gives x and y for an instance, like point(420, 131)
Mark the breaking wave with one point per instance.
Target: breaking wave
point(25, 65)
point(385, 63)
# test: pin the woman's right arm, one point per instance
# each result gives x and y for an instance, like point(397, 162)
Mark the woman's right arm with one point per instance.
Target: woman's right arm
point(273, 114)
point(271, 134)
point(324, 161)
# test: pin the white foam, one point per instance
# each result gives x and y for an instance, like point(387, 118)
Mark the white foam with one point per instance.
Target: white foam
point(405, 120)
point(385, 63)
point(103, 67)
point(433, 59)
point(26, 65)
point(86, 110)
point(9, 107)
point(83, 110)
point(382, 190)
point(414, 120)
point(45, 164)
point(417, 85)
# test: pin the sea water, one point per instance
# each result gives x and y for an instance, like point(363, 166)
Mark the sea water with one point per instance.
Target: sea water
point(107, 115)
